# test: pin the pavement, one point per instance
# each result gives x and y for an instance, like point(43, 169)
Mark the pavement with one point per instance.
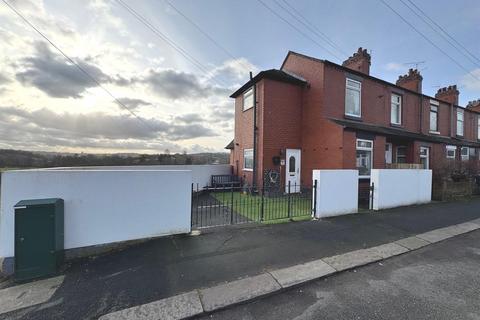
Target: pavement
point(439, 282)
point(152, 272)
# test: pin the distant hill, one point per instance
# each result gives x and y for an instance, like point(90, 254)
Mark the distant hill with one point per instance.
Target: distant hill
point(34, 159)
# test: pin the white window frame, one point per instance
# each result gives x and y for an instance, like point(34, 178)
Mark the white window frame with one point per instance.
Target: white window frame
point(248, 93)
point(359, 90)
point(451, 148)
point(465, 157)
point(244, 162)
point(365, 149)
point(478, 127)
point(396, 104)
point(433, 109)
point(426, 155)
point(403, 156)
point(462, 122)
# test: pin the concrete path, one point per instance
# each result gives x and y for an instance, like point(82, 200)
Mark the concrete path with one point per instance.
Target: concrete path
point(232, 293)
point(171, 266)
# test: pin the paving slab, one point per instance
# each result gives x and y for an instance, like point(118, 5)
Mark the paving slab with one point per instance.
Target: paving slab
point(352, 259)
point(176, 307)
point(28, 294)
point(412, 243)
point(290, 276)
point(388, 250)
point(468, 226)
point(436, 235)
point(237, 291)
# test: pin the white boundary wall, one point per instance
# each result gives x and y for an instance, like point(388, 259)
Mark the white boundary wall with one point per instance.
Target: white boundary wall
point(102, 206)
point(337, 192)
point(201, 173)
point(400, 187)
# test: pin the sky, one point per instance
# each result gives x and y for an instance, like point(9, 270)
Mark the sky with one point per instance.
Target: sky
point(169, 78)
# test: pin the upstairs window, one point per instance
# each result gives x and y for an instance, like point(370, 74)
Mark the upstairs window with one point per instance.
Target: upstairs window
point(451, 152)
point(478, 127)
point(364, 157)
point(352, 98)
point(248, 159)
point(459, 122)
point(433, 118)
point(396, 109)
point(248, 99)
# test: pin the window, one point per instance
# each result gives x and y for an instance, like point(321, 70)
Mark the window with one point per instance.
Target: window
point(433, 118)
point(396, 109)
point(401, 154)
point(248, 99)
point(248, 159)
point(364, 157)
point(459, 122)
point(451, 152)
point(291, 164)
point(464, 153)
point(352, 98)
point(478, 127)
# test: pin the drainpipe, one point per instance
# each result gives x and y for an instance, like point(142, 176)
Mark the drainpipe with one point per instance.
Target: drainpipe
point(254, 173)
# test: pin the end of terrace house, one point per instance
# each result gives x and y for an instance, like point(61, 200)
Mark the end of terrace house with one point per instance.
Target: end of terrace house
point(316, 114)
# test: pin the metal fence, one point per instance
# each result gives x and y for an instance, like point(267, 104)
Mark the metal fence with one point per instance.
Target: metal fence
point(228, 205)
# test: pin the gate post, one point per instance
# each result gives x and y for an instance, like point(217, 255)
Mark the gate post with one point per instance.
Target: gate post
point(231, 206)
point(191, 210)
point(262, 204)
point(372, 190)
point(289, 211)
point(314, 211)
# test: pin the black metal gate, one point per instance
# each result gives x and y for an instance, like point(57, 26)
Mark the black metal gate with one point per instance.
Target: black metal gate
point(234, 204)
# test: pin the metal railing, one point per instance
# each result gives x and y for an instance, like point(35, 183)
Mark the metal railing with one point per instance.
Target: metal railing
point(234, 204)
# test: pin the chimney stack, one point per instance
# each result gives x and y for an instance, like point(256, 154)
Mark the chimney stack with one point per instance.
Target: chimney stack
point(412, 81)
point(474, 105)
point(360, 61)
point(448, 94)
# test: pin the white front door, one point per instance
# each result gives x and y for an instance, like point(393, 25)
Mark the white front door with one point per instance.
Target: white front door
point(388, 153)
point(292, 170)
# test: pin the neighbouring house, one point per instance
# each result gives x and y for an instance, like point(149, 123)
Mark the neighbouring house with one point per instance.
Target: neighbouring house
point(316, 114)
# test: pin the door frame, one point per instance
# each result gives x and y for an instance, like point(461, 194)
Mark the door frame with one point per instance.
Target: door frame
point(390, 152)
point(427, 156)
point(297, 153)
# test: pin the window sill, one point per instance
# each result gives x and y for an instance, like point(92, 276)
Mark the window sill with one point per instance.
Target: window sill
point(245, 169)
point(249, 108)
point(353, 117)
point(434, 132)
point(396, 125)
point(459, 136)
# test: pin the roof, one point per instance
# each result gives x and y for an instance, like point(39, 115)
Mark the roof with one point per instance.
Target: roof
point(231, 145)
point(402, 133)
point(361, 74)
point(272, 74)
point(37, 202)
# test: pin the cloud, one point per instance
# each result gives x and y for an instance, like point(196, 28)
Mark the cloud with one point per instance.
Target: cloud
point(133, 103)
point(235, 71)
point(394, 66)
point(50, 73)
point(45, 127)
point(179, 85)
point(3, 79)
point(189, 118)
point(470, 82)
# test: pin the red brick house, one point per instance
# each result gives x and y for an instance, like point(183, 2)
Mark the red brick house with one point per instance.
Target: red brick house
point(316, 114)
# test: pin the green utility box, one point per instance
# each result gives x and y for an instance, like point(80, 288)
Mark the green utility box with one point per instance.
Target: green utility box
point(38, 238)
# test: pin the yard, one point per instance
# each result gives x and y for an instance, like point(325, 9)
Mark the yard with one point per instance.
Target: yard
point(275, 208)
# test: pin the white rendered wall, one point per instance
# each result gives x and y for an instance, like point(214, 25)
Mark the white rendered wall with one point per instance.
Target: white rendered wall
point(400, 187)
point(201, 174)
point(102, 206)
point(337, 192)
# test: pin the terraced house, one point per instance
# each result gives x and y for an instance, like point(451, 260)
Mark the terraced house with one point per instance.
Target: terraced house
point(316, 114)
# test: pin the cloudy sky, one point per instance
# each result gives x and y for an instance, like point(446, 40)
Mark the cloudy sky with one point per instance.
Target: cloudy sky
point(176, 80)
